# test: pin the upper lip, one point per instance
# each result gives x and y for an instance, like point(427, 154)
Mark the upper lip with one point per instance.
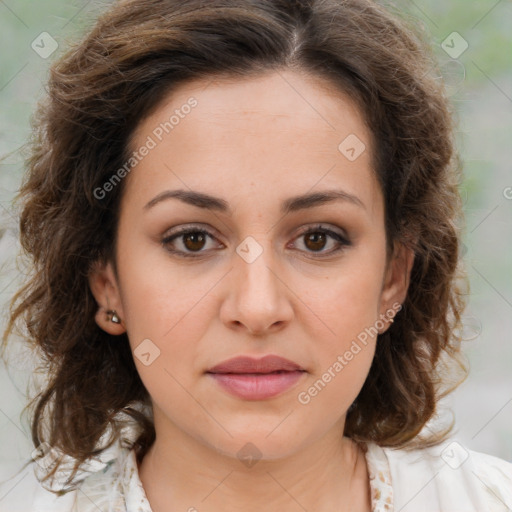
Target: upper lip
point(245, 364)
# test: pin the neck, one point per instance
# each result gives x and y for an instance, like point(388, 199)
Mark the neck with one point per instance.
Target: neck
point(328, 474)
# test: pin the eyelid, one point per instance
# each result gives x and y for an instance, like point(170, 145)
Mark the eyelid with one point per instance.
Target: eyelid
point(185, 228)
point(325, 228)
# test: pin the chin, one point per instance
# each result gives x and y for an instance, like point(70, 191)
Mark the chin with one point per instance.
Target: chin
point(262, 440)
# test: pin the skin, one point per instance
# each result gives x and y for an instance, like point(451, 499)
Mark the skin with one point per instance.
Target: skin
point(254, 142)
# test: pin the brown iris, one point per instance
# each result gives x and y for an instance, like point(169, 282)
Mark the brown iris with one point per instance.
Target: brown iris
point(196, 240)
point(317, 240)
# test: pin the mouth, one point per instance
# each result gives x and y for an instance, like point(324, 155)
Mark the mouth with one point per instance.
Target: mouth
point(256, 379)
point(246, 364)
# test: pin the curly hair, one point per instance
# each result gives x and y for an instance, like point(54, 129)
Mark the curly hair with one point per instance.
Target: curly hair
point(99, 92)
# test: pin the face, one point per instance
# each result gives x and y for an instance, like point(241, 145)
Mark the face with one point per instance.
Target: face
point(286, 256)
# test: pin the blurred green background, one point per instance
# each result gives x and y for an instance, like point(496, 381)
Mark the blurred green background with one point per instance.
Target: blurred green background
point(480, 85)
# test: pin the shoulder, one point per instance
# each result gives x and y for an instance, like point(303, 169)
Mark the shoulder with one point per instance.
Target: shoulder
point(97, 491)
point(496, 475)
point(447, 477)
point(103, 483)
point(23, 492)
point(115, 485)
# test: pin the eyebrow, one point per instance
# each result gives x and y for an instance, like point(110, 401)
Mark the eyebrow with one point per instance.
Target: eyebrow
point(290, 205)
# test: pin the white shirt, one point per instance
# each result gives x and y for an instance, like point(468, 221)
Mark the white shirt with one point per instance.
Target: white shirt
point(444, 478)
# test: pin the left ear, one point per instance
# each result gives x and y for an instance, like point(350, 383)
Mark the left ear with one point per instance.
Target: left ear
point(396, 280)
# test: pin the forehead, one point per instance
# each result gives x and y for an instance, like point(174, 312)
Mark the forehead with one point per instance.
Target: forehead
point(277, 133)
point(312, 104)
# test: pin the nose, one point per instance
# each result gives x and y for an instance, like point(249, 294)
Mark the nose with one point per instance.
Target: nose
point(258, 299)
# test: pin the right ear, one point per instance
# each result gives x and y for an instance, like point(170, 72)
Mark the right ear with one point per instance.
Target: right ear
point(104, 287)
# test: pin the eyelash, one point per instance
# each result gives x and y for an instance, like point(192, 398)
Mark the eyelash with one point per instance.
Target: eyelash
point(342, 241)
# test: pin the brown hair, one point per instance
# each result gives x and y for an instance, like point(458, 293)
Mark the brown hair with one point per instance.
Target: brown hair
point(100, 91)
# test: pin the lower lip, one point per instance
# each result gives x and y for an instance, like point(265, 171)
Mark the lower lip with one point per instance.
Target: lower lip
point(252, 386)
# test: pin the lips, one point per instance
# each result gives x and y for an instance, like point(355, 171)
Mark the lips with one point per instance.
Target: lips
point(267, 364)
point(256, 379)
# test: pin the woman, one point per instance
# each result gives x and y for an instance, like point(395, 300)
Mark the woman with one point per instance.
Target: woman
point(243, 222)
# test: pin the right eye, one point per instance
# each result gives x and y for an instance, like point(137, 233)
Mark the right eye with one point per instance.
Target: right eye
point(187, 242)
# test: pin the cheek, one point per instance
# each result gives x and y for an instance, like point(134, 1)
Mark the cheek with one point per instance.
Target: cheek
point(174, 318)
point(166, 316)
point(157, 295)
point(347, 300)
point(344, 354)
point(346, 312)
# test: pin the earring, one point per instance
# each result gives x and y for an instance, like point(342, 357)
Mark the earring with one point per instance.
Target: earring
point(392, 318)
point(113, 317)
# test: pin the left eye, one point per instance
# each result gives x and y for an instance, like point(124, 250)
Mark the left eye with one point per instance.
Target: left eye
point(193, 241)
point(315, 240)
